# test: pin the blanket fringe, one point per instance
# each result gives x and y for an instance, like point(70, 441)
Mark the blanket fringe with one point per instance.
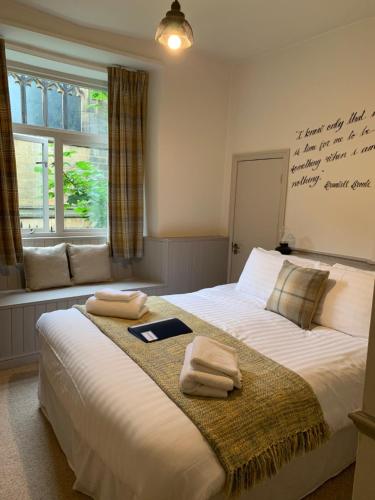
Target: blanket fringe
point(267, 464)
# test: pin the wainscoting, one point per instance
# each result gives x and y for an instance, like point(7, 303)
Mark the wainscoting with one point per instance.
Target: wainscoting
point(19, 313)
point(184, 264)
point(170, 265)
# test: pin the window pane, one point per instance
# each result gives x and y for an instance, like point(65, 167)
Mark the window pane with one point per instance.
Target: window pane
point(95, 111)
point(34, 104)
point(31, 178)
point(63, 105)
point(15, 99)
point(73, 112)
point(85, 187)
point(54, 108)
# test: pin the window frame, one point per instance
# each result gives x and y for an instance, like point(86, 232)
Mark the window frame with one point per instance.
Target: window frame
point(43, 141)
point(61, 137)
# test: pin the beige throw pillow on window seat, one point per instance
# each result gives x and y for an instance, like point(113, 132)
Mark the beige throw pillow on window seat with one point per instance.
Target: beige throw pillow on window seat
point(46, 267)
point(89, 263)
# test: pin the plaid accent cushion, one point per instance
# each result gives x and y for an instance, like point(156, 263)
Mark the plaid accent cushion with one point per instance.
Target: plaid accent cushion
point(297, 293)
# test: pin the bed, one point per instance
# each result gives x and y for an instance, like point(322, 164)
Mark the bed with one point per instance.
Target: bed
point(125, 439)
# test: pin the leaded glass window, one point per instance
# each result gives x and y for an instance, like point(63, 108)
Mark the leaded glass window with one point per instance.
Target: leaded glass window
point(61, 154)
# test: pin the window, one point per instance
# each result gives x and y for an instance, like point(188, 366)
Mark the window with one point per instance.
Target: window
point(60, 137)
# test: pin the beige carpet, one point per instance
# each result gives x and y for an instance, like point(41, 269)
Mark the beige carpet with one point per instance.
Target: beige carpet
point(32, 465)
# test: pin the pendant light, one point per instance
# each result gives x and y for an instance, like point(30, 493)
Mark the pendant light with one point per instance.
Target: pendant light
point(174, 31)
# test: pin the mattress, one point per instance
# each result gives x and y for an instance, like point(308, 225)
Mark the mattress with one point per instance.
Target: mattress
point(135, 438)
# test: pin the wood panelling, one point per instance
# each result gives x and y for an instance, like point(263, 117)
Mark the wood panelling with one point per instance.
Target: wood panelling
point(184, 264)
point(5, 333)
point(29, 321)
point(170, 265)
point(333, 259)
point(18, 335)
point(17, 331)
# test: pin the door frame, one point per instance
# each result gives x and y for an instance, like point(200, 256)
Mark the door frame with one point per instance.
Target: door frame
point(283, 154)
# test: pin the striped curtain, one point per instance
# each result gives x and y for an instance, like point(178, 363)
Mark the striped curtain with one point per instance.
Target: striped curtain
point(127, 103)
point(10, 231)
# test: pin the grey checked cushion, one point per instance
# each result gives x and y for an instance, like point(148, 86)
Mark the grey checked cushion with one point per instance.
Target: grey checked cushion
point(297, 293)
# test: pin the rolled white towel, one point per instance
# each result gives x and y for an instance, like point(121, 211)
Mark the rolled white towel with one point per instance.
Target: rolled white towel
point(134, 309)
point(216, 357)
point(202, 384)
point(117, 295)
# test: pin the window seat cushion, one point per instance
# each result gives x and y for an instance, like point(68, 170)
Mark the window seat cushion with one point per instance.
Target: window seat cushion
point(46, 267)
point(89, 263)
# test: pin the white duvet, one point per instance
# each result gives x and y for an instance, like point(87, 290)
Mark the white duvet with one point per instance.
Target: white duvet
point(140, 434)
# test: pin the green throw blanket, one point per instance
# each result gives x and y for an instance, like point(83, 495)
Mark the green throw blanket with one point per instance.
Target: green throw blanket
point(274, 417)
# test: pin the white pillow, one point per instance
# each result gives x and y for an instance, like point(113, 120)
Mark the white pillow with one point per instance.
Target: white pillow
point(347, 305)
point(46, 267)
point(89, 263)
point(262, 268)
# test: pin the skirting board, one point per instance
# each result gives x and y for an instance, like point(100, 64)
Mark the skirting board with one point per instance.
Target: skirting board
point(19, 361)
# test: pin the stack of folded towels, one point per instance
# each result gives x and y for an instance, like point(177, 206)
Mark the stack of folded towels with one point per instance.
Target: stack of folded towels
point(117, 304)
point(210, 369)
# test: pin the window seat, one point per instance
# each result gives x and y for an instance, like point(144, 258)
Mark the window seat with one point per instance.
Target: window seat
point(15, 298)
point(20, 310)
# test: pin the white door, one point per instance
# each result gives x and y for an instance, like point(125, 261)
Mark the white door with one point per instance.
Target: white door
point(257, 205)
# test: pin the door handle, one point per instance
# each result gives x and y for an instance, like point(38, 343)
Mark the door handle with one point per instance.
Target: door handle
point(235, 248)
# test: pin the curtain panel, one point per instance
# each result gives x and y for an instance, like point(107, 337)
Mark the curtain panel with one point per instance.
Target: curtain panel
point(10, 231)
point(127, 103)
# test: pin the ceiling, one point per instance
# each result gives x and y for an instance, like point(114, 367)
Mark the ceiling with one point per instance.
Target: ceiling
point(233, 29)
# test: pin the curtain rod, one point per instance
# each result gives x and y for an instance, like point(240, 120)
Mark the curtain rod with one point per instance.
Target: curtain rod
point(120, 66)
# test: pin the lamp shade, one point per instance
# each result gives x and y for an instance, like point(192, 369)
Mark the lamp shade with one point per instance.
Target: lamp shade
point(174, 31)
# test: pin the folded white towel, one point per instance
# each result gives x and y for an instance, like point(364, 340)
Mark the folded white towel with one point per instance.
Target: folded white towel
point(216, 357)
point(129, 310)
point(116, 295)
point(199, 383)
point(235, 379)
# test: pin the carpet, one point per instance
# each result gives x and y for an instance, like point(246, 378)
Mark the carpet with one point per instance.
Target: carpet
point(32, 465)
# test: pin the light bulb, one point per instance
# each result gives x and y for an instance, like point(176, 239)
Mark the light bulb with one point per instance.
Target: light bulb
point(174, 42)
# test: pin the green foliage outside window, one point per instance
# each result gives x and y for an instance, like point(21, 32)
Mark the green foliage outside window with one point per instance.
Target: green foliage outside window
point(85, 190)
point(84, 184)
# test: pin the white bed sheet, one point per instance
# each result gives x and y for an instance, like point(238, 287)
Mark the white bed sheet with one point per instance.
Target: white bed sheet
point(131, 425)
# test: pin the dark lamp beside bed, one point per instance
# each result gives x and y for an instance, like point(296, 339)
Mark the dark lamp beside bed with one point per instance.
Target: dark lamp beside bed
point(284, 248)
point(286, 239)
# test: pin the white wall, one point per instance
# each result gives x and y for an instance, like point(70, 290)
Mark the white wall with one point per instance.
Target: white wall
point(188, 104)
point(193, 120)
point(310, 85)
point(188, 171)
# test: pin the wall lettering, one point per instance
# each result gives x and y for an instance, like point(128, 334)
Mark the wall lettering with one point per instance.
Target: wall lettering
point(321, 149)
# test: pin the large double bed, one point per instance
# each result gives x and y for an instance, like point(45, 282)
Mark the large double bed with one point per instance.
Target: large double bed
point(125, 439)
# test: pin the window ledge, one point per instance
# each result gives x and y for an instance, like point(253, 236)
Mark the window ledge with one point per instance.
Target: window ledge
point(41, 240)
